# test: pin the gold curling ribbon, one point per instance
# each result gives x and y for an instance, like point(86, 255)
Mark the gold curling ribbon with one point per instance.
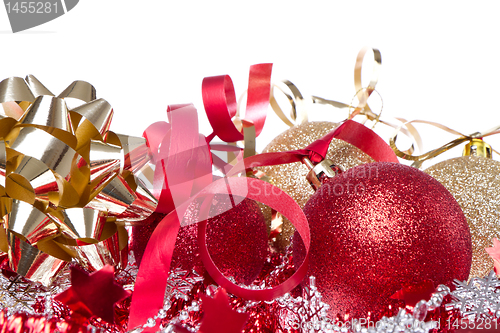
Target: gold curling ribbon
point(419, 159)
point(364, 93)
point(68, 185)
point(298, 111)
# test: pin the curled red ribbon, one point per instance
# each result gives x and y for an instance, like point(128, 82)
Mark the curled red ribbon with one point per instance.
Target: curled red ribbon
point(177, 148)
point(153, 273)
point(185, 169)
point(273, 197)
point(183, 174)
point(359, 136)
point(219, 99)
point(350, 131)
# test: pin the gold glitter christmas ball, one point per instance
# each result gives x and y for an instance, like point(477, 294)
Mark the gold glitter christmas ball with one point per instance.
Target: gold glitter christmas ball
point(475, 183)
point(291, 178)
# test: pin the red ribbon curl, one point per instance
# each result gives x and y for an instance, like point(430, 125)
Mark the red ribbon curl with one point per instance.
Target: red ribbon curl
point(184, 173)
point(183, 159)
point(219, 99)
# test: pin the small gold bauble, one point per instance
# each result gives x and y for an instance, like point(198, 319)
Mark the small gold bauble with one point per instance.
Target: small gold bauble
point(291, 178)
point(475, 183)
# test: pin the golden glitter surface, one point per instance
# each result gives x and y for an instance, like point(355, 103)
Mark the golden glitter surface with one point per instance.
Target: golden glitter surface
point(291, 178)
point(475, 183)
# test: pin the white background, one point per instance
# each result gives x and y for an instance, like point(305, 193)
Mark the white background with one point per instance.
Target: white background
point(439, 59)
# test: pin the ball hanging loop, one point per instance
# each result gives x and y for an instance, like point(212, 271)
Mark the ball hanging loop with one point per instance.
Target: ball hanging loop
point(320, 172)
point(477, 147)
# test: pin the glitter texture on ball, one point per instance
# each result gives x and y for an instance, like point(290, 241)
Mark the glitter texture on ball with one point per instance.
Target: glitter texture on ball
point(377, 228)
point(236, 239)
point(475, 183)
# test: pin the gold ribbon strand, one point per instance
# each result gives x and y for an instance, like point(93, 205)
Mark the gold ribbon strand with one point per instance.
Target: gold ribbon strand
point(419, 159)
point(363, 94)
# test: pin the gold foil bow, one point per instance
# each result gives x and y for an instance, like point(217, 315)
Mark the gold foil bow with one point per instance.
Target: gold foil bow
point(67, 183)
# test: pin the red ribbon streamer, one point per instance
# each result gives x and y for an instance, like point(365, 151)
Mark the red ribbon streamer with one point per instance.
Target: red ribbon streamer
point(219, 99)
point(357, 135)
point(278, 200)
point(350, 131)
point(184, 160)
point(184, 164)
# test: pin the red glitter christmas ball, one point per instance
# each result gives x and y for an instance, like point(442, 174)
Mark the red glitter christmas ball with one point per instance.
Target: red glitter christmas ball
point(141, 234)
point(377, 228)
point(236, 239)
